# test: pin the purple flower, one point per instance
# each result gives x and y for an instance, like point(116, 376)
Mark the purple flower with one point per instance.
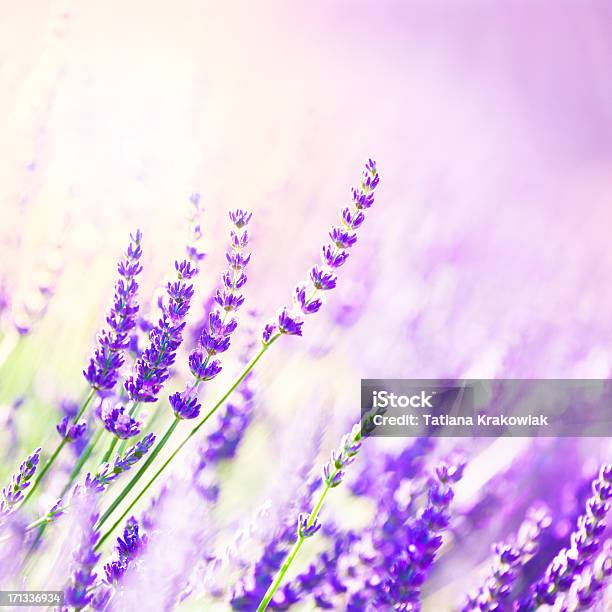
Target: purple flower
point(78, 593)
point(120, 423)
point(202, 368)
point(333, 256)
point(570, 562)
point(185, 406)
point(152, 368)
point(342, 239)
point(307, 307)
point(127, 550)
point(213, 343)
point(108, 473)
point(216, 336)
point(322, 279)
point(228, 300)
point(268, 331)
point(409, 569)
point(240, 218)
point(69, 430)
point(306, 530)
point(13, 493)
point(287, 324)
point(103, 369)
point(508, 560)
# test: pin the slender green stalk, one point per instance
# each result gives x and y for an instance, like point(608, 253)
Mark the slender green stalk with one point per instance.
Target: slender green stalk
point(332, 477)
point(267, 598)
point(83, 457)
point(58, 450)
point(184, 442)
point(109, 451)
point(139, 474)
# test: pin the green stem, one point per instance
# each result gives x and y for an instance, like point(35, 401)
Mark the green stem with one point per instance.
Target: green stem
point(139, 474)
point(83, 457)
point(267, 598)
point(58, 450)
point(185, 440)
point(110, 449)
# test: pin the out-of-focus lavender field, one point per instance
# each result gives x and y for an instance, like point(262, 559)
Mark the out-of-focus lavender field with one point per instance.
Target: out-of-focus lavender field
point(486, 254)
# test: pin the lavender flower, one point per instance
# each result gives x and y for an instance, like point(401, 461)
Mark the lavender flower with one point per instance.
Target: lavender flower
point(152, 368)
point(127, 550)
point(108, 473)
point(306, 300)
point(120, 423)
point(216, 337)
point(71, 431)
point(13, 493)
point(592, 583)
point(78, 592)
point(508, 560)
point(103, 369)
point(409, 570)
point(570, 562)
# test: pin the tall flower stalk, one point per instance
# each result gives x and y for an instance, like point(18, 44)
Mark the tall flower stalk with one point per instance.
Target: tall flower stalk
point(287, 323)
point(569, 564)
point(509, 558)
point(12, 494)
point(215, 339)
point(103, 369)
point(308, 524)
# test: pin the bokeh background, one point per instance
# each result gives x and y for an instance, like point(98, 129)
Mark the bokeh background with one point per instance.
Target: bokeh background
point(487, 253)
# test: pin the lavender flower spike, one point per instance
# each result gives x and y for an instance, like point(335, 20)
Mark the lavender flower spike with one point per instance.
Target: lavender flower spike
point(216, 337)
point(103, 369)
point(593, 583)
point(570, 563)
point(128, 548)
point(306, 297)
point(308, 525)
point(152, 369)
point(424, 537)
point(13, 493)
point(508, 560)
point(108, 473)
point(78, 593)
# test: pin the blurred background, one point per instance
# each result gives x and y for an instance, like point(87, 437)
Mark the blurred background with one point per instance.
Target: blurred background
point(487, 253)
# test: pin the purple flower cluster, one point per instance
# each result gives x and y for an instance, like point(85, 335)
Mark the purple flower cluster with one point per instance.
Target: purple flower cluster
point(152, 368)
point(13, 493)
point(71, 431)
point(78, 593)
point(108, 473)
point(306, 297)
point(508, 560)
point(569, 564)
point(103, 369)
point(127, 549)
point(591, 585)
point(333, 472)
point(216, 336)
point(120, 423)
point(408, 571)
